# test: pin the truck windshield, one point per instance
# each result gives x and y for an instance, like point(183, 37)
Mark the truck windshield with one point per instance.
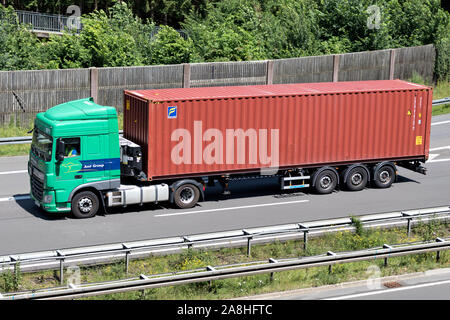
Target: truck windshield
point(41, 145)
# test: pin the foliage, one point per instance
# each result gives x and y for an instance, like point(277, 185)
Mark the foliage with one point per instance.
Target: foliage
point(359, 228)
point(106, 40)
point(228, 30)
point(17, 45)
point(12, 280)
point(250, 30)
point(442, 69)
point(168, 47)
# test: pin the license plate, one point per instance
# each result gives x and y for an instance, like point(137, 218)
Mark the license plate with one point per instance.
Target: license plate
point(37, 203)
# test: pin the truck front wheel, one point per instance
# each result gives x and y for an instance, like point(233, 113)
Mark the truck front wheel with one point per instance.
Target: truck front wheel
point(85, 204)
point(186, 196)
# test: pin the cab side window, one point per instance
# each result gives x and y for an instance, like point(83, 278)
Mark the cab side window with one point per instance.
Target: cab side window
point(72, 147)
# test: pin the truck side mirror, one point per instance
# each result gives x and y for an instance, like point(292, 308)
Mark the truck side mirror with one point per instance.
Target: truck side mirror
point(60, 147)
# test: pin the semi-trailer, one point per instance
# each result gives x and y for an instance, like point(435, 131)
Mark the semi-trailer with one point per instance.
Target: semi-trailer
point(177, 142)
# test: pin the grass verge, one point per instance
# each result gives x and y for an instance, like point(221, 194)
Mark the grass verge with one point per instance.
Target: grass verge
point(441, 90)
point(252, 285)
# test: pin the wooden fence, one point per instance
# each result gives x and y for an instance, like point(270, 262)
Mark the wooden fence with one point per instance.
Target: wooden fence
point(42, 89)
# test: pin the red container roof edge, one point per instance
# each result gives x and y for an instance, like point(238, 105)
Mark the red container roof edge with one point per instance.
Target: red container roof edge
point(202, 93)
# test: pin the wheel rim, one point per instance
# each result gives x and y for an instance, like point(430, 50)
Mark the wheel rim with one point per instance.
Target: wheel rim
point(385, 176)
point(85, 205)
point(325, 182)
point(187, 195)
point(356, 179)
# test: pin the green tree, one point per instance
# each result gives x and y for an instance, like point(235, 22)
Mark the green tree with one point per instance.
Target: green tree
point(112, 39)
point(18, 47)
point(168, 47)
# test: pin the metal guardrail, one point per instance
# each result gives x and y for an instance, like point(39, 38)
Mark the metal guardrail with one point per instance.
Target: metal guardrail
point(27, 139)
point(441, 101)
point(211, 273)
point(47, 22)
point(54, 259)
point(58, 23)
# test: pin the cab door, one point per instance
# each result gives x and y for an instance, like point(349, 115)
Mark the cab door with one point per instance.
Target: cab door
point(94, 162)
point(67, 171)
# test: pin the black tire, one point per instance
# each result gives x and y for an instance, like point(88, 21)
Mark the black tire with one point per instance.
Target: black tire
point(356, 179)
point(85, 205)
point(186, 196)
point(384, 177)
point(326, 182)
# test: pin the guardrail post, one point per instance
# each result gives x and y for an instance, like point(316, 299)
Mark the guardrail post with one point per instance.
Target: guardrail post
point(330, 253)
point(61, 266)
point(271, 260)
point(16, 267)
point(249, 246)
point(409, 227)
point(305, 235)
point(249, 242)
point(127, 257)
point(438, 253)
point(386, 246)
point(209, 268)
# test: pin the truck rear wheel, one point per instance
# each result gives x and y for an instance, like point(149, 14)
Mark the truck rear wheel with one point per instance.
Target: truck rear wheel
point(326, 182)
point(357, 179)
point(85, 205)
point(186, 196)
point(384, 177)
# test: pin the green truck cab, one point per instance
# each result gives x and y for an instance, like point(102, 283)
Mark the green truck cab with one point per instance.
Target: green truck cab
point(75, 154)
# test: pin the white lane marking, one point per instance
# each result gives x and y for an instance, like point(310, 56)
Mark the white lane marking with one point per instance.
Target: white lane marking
point(440, 122)
point(432, 157)
point(14, 198)
point(357, 295)
point(440, 148)
point(230, 208)
point(438, 160)
point(12, 172)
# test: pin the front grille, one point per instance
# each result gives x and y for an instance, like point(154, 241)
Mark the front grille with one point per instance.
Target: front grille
point(37, 188)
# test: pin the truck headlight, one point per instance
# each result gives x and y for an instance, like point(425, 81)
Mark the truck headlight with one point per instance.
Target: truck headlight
point(48, 198)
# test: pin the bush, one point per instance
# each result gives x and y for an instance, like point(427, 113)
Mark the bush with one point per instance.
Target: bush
point(442, 69)
point(168, 47)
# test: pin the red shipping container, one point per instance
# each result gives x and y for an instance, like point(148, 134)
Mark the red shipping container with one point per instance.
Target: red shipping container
point(196, 131)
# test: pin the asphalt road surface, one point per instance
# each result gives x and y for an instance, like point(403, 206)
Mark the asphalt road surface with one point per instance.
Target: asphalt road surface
point(24, 228)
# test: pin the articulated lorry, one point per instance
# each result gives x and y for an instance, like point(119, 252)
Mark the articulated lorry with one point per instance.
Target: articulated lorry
point(178, 142)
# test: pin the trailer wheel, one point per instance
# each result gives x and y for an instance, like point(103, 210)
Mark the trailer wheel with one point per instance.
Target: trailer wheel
point(384, 177)
point(357, 179)
point(326, 182)
point(85, 205)
point(186, 196)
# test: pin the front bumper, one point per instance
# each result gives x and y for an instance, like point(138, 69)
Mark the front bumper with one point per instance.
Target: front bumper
point(48, 202)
